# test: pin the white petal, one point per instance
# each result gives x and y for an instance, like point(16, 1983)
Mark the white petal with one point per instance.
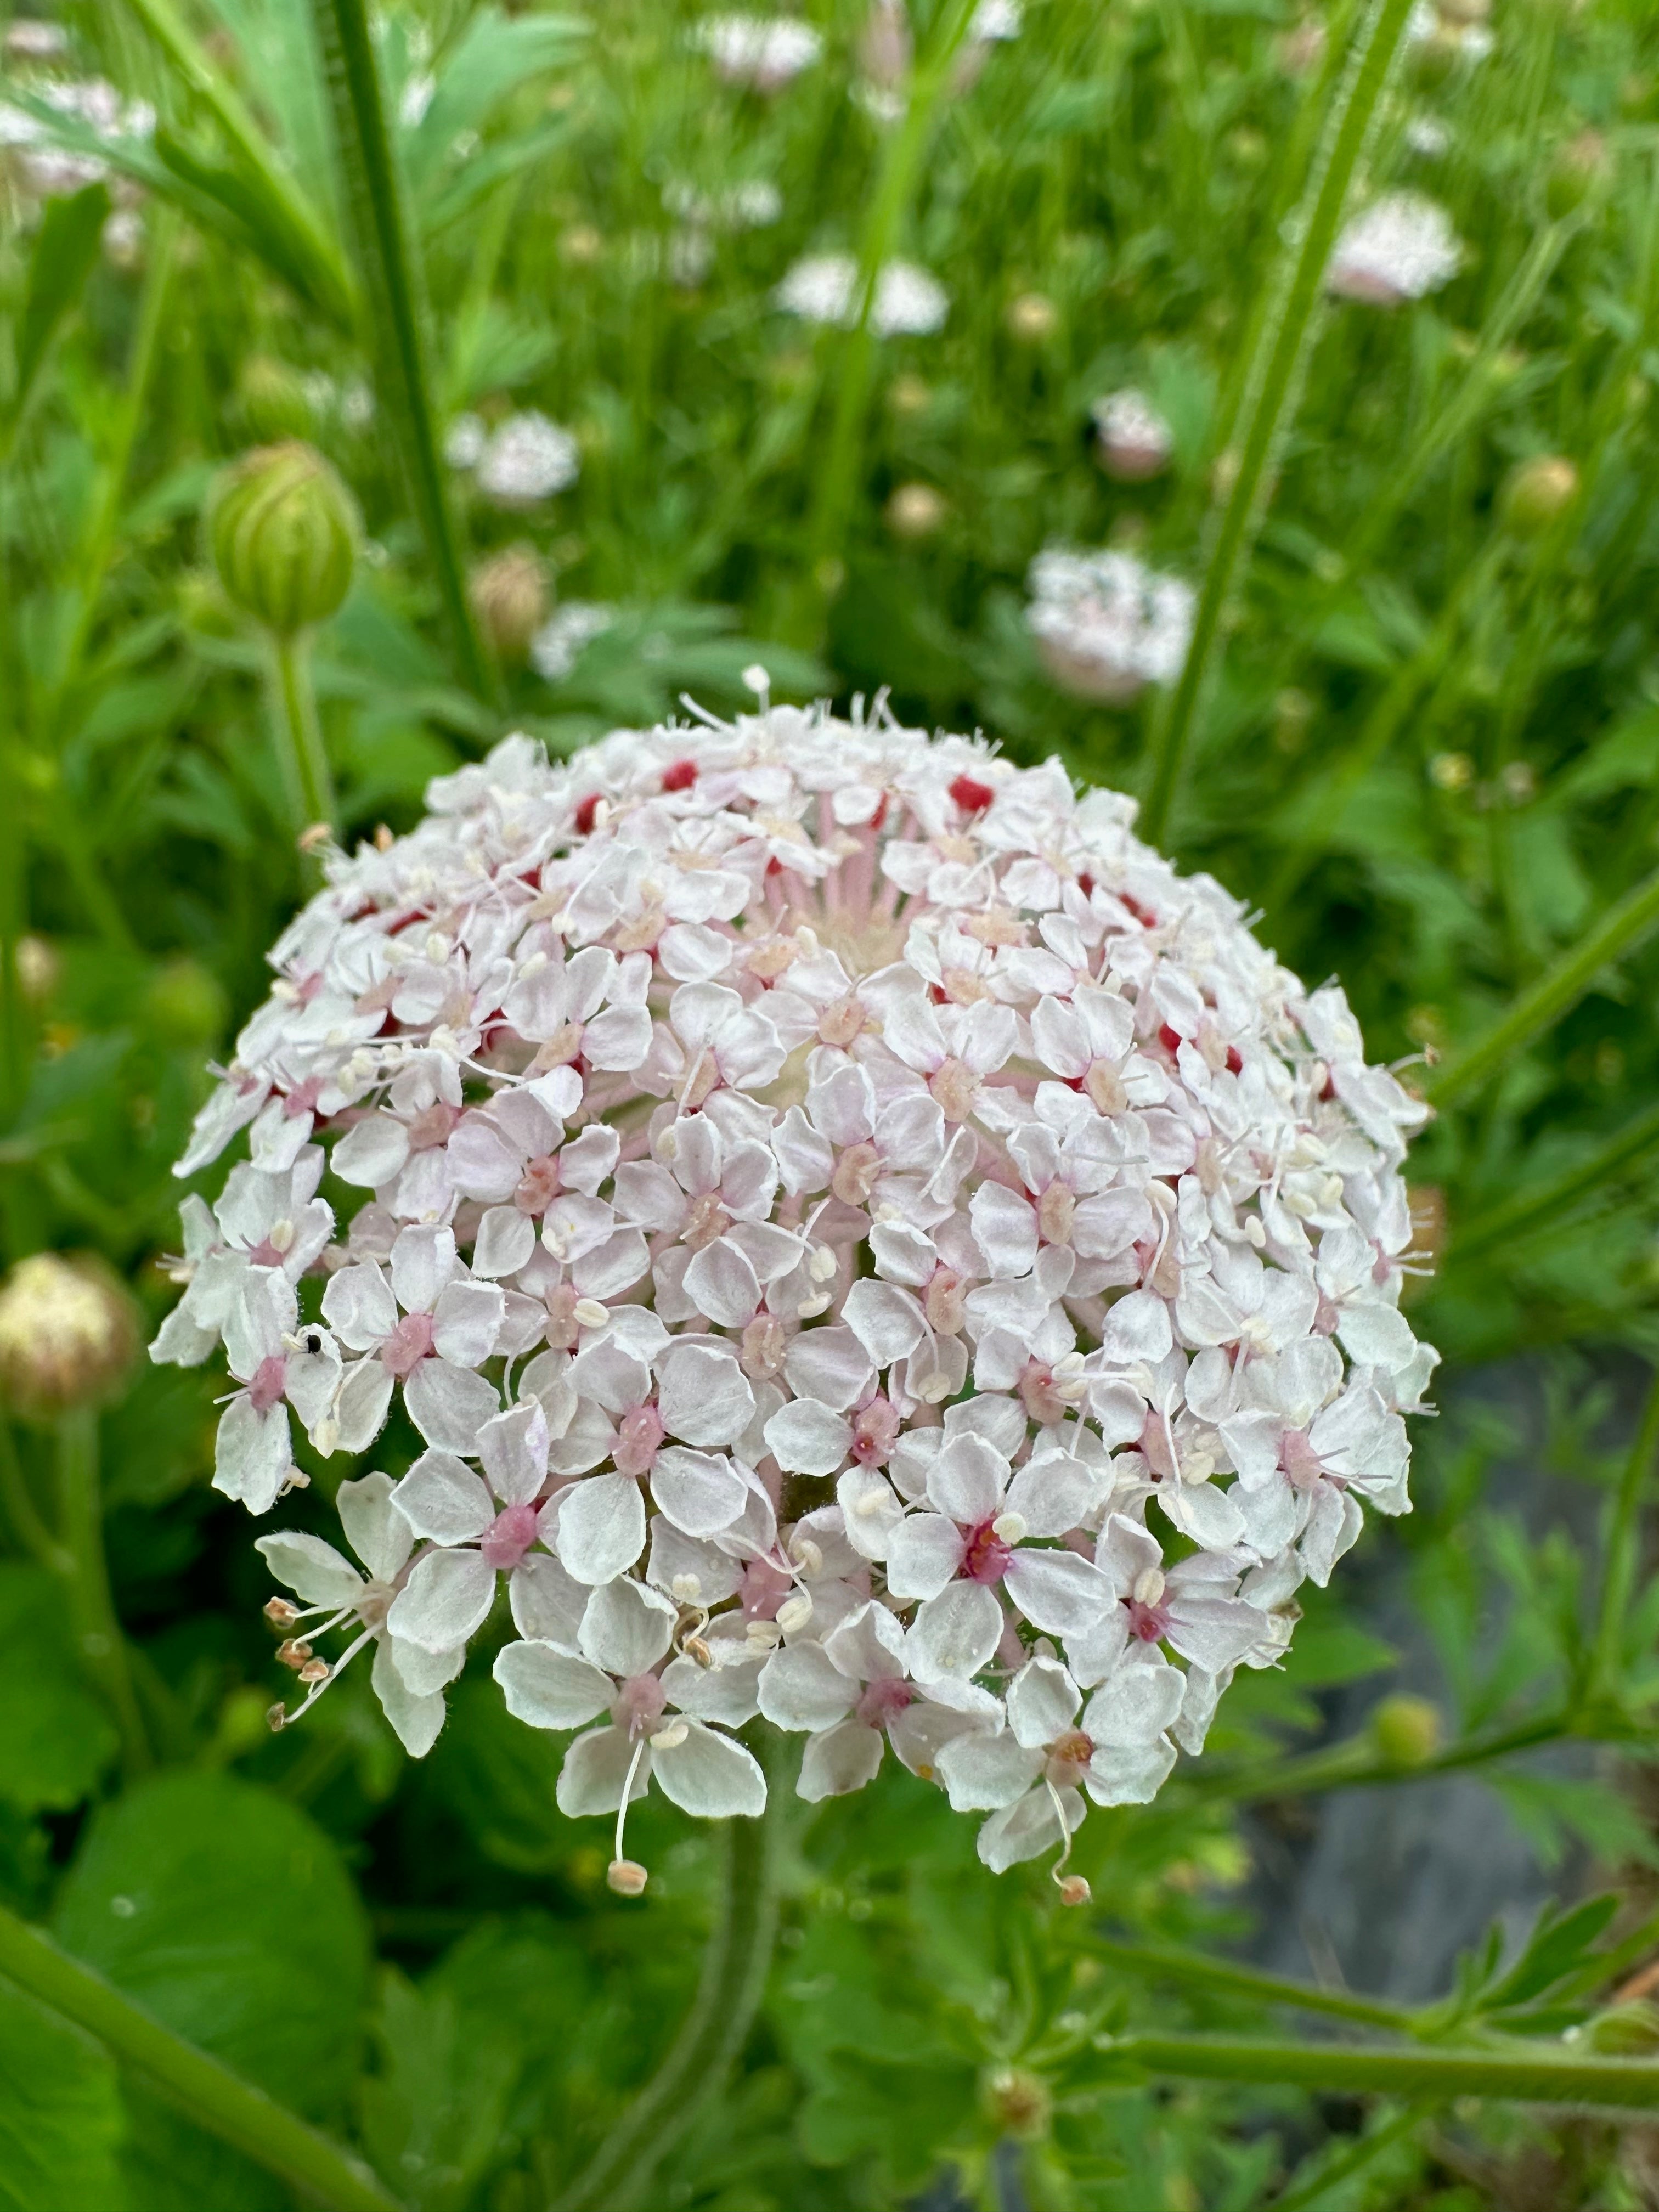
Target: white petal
point(955, 1633)
point(806, 1439)
point(722, 1694)
point(842, 1759)
point(701, 1493)
point(595, 1768)
point(983, 1772)
point(450, 1405)
point(711, 1775)
point(416, 1718)
point(513, 1448)
point(702, 1395)
point(361, 1403)
point(372, 1153)
point(442, 1499)
point(965, 1482)
point(627, 1627)
point(547, 1603)
point(375, 1530)
point(466, 1322)
point(870, 1511)
point(359, 1307)
point(1057, 1591)
point(1140, 1698)
point(446, 1598)
point(600, 1530)
point(800, 1688)
point(505, 1241)
point(829, 1364)
point(252, 1453)
point(310, 1568)
point(1027, 1829)
point(923, 1553)
point(887, 1320)
point(422, 1262)
point(722, 1284)
point(1043, 1702)
point(549, 1689)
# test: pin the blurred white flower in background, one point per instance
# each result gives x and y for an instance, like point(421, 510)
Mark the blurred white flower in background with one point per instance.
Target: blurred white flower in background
point(1401, 247)
point(1132, 441)
point(28, 38)
point(558, 643)
point(45, 169)
point(1105, 624)
point(764, 52)
point(824, 289)
point(524, 459)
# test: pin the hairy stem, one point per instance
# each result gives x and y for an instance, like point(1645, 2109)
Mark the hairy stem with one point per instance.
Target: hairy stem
point(729, 1988)
point(1532, 2073)
point(1272, 388)
point(98, 1635)
point(1354, 1765)
point(1556, 992)
point(299, 734)
point(397, 308)
point(206, 2091)
point(1154, 1960)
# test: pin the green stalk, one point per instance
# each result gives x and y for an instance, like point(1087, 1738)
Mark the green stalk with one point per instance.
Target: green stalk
point(1535, 2074)
point(1533, 1209)
point(839, 479)
point(98, 1634)
point(397, 309)
point(300, 733)
point(1559, 988)
point(1272, 388)
point(1152, 1960)
point(1353, 1764)
point(729, 1989)
point(1621, 1549)
point(27, 1524)
point(329, 277)
point(203, 2089)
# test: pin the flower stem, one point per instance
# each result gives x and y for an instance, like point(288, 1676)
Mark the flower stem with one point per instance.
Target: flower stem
point(1528, 1210)
point(1621, 1551)
point(300, 733)
point(206, 2091)
point(1532, 2074)
point(729, 1987)
point(1155, 1960)
point(27, 1524)
point(1273, 387)
point(1620, 929)
point(97, 1631)
point(1353, 1764)
point(396, 309)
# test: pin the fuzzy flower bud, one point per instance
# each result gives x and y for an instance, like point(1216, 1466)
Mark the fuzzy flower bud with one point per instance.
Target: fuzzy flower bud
point(68, 1335)
point(1538, 494)
point(283, 530)
point(509, 597)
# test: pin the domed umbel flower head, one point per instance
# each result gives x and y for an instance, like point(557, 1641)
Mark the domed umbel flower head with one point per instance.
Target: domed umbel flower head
point(68, 1335)
point(283, 532)
point(864, 1243)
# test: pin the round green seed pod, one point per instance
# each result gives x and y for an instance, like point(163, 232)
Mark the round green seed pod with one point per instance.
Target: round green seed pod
point(283, 532)
point(1538, 493)
point(1581, 169)
point(1406, 1730)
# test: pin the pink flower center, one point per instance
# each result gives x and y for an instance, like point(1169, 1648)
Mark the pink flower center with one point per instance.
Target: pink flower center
point(539, 1186)
point(408, 1344)
point(639, 1437)
point(764, 1589)
point(270, 1381)
point(1300, 1461)
point(1149, 1623)
point(638, 1705)
point(985, 1556)
point(302, 1099)
point(882, 1700)
point(505, 1544)
point(875, 1431)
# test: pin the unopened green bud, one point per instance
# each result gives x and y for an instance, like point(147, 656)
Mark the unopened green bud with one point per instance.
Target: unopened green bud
point(283, 532)
point(509, 597)
point(1406, 1731)
point(1625, 2030)
point(1538, 494)
point(1580, 169)
point(186, 1002)
point(273, 398)
point(68, 1335)
point(1017, 2101)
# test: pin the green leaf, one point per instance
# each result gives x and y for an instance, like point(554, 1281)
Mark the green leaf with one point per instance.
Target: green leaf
point(1558, 1946)
point(61, 2120)
point(228, 1914)
point(432, 2117)
point(55, 1738)
point(65, 251)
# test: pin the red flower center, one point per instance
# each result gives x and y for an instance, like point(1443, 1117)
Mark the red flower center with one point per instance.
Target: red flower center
point(972, 796)
point(985, 1557)
point(679, 776)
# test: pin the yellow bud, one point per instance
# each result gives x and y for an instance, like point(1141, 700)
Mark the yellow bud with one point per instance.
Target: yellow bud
point(1538, 494)
point(69, 1334)
point(1406, 1731)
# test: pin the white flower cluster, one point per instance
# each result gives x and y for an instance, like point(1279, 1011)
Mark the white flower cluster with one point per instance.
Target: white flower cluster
point(526, 460)
point(764, 52)
point(1105, 624)
point(47, 169)
point(862, 1241)
point(562, 639)
point(823, 288)
point(1401, 247)
point(1133, 440)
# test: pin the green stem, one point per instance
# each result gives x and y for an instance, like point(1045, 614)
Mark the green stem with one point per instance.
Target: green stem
point(98, 1634)
point(1272, 388)
point(391, 280)
point(839, 478)
point(1152, 1959)
point(1354, 1765)
point(729, 1989)
point(1560, 988)
point(315, 249)
point(208, 2092)
point(300, 733)
point(1532, 1209)
point(1533, 2074)
point(1622, 1549)
point(27, 1524)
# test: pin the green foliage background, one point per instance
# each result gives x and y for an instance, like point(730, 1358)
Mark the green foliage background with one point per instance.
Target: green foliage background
point(1432, 759)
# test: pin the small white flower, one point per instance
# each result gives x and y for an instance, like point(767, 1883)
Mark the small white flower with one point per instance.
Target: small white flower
point(1401, 247)
point(824, 288)
point(1133, 440)
point(763, 51)
point(1105, 624)
point(525, 460)
point(559, 643)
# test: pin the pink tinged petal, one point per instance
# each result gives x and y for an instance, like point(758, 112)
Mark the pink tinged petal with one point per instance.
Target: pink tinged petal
point(1139, 1699)
point(446, 1600)
point(482, 1161)
point(617, 1040)
point(574, 1225)
point(450, 1405)
point(1043, 1702)
point(1137, 1329)
point(869, 1644)
point(750, 1181)
point(375, 1530)
point(466, 1322)
point(1060, 1039)
point(1102, 1227)
point(422, 1262)
point(1053, 1494)
point(829, 1364)
point(887, 1320)
point(601, 1528)
point(548, 1604)
point(1027, 1828)
point(253, 1453)
point(549, 1689)
point(806, 1439)
point(612, 1267)
point(627, 1627)
point(415, 1717)
point(723, 1285)
point(372, 1153)
point(702, 1395)
point(1057, 1591)
point(513, 1447)
point(721, 1693)
point(701, 1493)
point(966, 1480)
point(359, 1307)
point(312, 1569)
point(360, 1407)
point(710, 1775)
point(982, 1773)
point(904, 1255)
point(1005, 1229)
point(505, 1241)
point(595, 1770)
point(442, 1500)
point(923, 1553)
point(769, 1250)
point(843, 1759)
point(1131, 1776)
point(1214, 1632)
point(647, 1194)
point(801, 1688)
point(955, 1633)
